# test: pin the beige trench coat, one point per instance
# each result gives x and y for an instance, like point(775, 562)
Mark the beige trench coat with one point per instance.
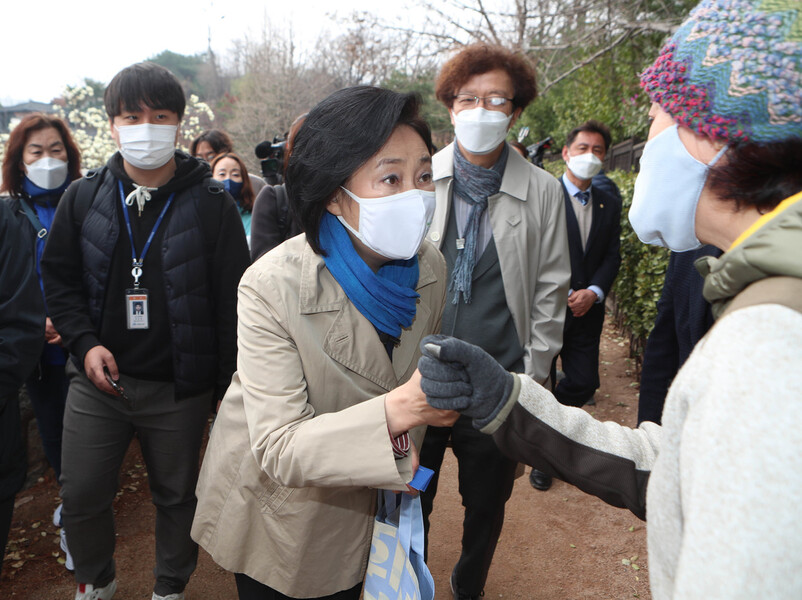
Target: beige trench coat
point(286, 491)
point(528, 221)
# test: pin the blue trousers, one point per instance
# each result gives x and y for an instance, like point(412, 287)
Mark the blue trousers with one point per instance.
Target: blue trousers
point(580, 357)
point(47, 388)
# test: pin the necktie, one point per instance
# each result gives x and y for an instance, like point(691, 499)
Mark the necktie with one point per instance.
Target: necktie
point(583, 197)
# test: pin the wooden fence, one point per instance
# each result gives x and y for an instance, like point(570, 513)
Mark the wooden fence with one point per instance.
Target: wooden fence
point(624, 156)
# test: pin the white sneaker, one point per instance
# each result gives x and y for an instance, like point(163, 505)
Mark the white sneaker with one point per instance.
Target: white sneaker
point(57, 516)
point(178, 596)
point(86, 591)
point(68, 563)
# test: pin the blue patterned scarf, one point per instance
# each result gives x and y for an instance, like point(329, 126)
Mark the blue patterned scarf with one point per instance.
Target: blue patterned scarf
point(386, 298)
point(473, 184)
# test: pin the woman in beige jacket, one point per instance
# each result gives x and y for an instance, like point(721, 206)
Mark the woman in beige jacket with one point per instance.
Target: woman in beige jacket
point(326, 395)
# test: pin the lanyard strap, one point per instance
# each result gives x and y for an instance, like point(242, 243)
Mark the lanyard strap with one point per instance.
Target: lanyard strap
point(41, 231)
point(137, 264)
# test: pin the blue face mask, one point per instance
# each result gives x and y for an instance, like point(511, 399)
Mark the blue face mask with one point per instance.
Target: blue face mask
point(233, 187)
point(667, 190)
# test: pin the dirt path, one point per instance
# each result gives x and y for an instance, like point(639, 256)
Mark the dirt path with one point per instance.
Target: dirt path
point(560, 544)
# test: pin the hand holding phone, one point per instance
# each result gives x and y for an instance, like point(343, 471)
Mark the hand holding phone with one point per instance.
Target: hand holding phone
point(117, 387)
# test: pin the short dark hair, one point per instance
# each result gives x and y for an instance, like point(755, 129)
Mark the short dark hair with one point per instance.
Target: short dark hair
point(338, 136)
point(760, 175)
point(12, 174)
point(591, 127)
point(144, 84)
point(216, 138)
point(477, 59)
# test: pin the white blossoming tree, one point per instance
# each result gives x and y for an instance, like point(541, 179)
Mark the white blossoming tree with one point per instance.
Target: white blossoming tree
point(82, 108)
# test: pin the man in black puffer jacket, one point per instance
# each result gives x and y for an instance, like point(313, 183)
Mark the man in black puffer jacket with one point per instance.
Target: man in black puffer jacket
point(140, 271)
point(22, 329)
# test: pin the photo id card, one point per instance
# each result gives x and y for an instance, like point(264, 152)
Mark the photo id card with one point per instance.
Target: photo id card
point(136, 308)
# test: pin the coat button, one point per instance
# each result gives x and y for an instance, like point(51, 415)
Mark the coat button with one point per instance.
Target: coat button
point(435, 237)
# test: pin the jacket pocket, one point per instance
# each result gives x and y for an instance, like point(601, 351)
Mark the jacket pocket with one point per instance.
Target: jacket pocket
point(273, 496)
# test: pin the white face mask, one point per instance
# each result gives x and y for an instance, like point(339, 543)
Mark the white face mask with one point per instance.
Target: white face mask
point(667, 190)
point(480, 131)
point(393, 226)
point(47, 173)
point(584, 166)
point(147, 146)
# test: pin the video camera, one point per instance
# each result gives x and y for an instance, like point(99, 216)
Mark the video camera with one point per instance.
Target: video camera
point(271, 155)
point(536, 151)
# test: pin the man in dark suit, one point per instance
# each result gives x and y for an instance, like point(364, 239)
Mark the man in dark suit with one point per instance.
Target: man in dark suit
point(593, 219)
point(683, 318)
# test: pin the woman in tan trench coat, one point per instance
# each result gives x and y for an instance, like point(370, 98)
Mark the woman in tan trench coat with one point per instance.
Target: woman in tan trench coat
point(326, 396)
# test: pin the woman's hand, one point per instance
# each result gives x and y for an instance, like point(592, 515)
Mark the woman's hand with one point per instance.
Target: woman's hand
point(406, 407)
point(51, 335)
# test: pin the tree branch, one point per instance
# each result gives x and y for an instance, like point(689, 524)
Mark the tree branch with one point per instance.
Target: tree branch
point(617, 42)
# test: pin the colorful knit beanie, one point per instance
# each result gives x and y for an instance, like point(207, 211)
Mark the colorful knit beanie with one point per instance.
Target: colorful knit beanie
point(733, 71)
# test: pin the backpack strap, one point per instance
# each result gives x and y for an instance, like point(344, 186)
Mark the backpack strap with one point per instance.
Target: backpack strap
point(786, 291)
point(41, 231)
point(86, 192)
point(282, 210)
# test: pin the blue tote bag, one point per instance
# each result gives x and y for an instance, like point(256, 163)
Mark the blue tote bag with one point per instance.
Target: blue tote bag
point(396, 570)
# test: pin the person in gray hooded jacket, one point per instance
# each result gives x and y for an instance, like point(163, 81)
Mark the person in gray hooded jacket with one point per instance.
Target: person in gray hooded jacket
point(726, 175)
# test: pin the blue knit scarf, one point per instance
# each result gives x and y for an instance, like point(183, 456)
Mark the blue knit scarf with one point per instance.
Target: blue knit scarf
point(386, 298)
point(473, 184)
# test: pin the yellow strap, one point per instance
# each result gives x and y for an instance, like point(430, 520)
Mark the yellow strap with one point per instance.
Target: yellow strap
point(782, 206)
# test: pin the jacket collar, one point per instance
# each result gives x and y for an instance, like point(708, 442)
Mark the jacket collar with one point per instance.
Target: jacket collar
point(351, 339)
point(771, 247)
point(515, 181)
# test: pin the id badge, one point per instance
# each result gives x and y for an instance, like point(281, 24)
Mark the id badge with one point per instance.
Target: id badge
point(136, 308)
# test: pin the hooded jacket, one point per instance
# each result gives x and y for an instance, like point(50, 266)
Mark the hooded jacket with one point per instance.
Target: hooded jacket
point(721, 479)
point(190, 272)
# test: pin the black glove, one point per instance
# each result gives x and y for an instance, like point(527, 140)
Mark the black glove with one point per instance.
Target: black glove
point(459, 376)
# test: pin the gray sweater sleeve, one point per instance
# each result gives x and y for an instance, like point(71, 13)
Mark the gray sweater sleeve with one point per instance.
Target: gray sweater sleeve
point(604, 459)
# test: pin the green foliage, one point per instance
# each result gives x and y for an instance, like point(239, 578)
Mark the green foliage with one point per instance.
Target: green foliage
point(434, 112)
point(640, 279)
point(188, 69)
point(607, 90)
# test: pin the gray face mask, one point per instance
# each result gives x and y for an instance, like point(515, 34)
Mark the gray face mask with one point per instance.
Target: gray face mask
point(47, 173)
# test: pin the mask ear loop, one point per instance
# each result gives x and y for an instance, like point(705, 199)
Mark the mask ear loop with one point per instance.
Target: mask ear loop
point(709, 166)
point(341, 218)
point(718, 156)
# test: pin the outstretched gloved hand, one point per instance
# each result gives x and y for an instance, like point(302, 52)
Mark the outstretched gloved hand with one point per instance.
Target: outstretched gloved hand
point(459, 376)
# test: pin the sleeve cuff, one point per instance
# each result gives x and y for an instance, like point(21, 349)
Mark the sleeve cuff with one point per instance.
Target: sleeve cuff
point(598, 291)
point(83, 345)
point(499, 418)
